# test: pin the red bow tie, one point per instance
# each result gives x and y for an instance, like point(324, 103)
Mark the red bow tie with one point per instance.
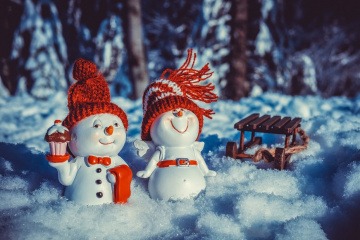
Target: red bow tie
point(106, 161)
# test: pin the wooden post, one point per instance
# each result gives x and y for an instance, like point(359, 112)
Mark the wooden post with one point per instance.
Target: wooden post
point(294, 136)
point(242, 141)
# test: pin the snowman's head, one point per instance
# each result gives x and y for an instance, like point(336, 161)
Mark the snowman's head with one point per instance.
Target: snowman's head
point(181, 88)
point(176, 128)
point(98, 135)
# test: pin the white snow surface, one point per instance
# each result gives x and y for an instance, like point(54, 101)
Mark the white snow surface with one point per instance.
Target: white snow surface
point(317, 197)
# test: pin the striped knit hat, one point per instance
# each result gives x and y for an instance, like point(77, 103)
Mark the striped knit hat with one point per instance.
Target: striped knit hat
point(178, 89)
point(90, 95)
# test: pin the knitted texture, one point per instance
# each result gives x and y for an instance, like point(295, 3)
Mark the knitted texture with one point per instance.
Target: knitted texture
point(84, 69)
point(90, 95)
point(178, 89)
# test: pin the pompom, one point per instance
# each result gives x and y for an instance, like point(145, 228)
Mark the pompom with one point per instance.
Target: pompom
point(84, 69)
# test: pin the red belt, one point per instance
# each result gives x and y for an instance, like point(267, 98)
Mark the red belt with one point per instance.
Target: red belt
point(179, 162)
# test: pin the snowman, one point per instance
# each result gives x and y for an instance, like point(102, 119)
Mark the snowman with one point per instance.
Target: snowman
point(97, 127)
point(170, 128)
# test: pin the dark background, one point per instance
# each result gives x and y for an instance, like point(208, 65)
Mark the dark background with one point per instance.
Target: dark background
point(319, 39)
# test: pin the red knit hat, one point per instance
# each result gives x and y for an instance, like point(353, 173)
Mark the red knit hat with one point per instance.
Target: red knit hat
point(89, 95)
point(178, 90)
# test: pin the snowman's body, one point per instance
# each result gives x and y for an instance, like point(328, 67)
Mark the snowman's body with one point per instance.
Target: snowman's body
point(176, 181)
point(85, 183)
point(176, 168)
point(92, 183)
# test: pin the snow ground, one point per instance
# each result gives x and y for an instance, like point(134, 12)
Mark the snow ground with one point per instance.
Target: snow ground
point(316, 198)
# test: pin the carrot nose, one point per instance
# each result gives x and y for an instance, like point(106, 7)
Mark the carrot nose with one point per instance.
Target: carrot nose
point(109, 130)
point(180, 113)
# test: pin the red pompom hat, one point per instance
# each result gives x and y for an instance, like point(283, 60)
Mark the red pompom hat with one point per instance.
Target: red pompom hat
point(89, 95)
point(178, 89)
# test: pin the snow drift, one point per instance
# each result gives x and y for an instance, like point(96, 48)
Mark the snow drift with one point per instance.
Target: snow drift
point(317, 197)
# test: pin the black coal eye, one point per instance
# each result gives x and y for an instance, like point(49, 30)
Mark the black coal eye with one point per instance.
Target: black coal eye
point(116, 124)
point(97, 124)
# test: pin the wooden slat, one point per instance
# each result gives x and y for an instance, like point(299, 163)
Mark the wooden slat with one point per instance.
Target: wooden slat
point(281, 123)
point(239, 125)
point(292, 125)
point(258, 121)
point(266, 125)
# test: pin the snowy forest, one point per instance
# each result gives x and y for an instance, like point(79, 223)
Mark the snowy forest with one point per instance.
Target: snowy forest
point(294, 47)
point(290, 59)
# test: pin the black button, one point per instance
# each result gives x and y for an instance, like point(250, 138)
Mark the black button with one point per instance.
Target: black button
point(99, 194)
point(98, 181)
point(98, 170)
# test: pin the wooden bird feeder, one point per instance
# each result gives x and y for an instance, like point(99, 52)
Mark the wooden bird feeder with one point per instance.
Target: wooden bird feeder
point(273, 125)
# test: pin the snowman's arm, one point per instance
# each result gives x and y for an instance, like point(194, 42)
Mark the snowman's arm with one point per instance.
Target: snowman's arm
point(202, 165)
point(151, 165)
point(66, 171)
point(145, 149)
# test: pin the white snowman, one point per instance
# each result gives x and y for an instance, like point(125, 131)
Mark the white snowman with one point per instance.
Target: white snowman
point(95, 174)
point(171, 126)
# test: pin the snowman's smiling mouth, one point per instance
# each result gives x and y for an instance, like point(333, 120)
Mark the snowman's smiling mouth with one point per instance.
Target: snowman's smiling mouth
point(106, 143)
point(179, 131)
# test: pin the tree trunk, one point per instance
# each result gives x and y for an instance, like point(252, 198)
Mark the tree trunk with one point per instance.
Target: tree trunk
point(135, 47)
point(237, 84)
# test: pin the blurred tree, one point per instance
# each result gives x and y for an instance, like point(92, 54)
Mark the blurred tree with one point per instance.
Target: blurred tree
point(3, 90)
point(10, 15)
point(214, 40)
point(237, 83)
point(306, 47)
point(109, 55)
point(169, 31)
point(223, 43)
point(39, 50)
point(294, 47)
point(135, 47)
point(109, 47)
point(94, 29)
point(81, 20)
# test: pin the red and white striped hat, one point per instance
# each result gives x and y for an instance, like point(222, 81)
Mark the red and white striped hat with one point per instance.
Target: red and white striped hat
point(178, 89)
